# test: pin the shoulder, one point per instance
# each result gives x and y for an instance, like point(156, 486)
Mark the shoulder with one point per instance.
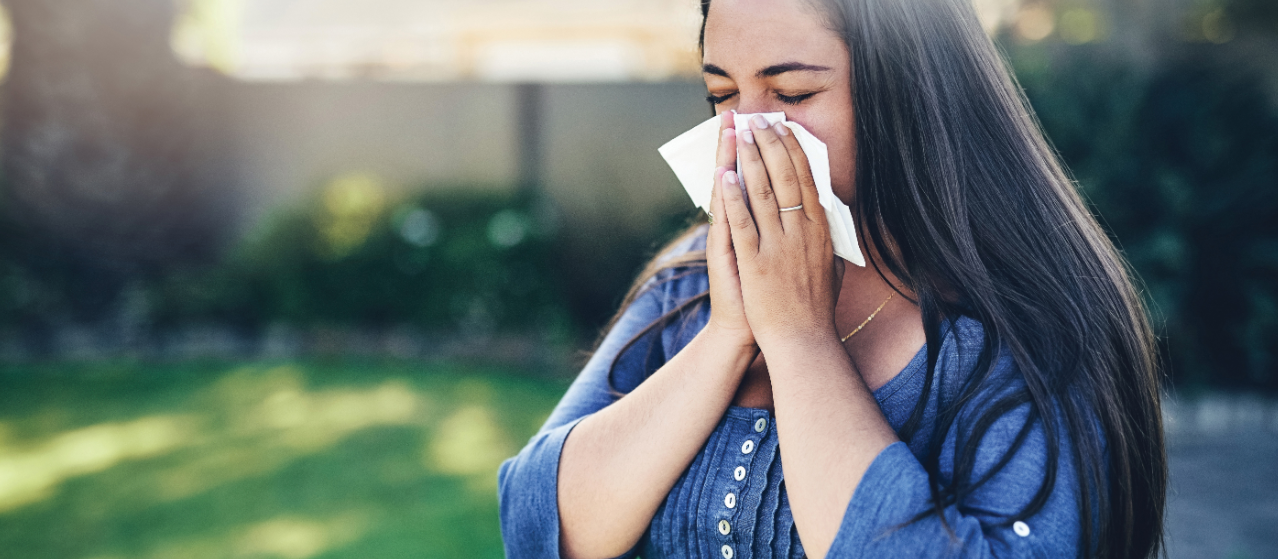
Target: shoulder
point(958, 351)
point(976, 381)
point(972, 361)
point(996, 412)
point(694, 240)
point(1008, 450)
point(679, 274)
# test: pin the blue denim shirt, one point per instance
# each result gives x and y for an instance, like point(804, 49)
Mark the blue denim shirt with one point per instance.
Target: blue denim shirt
point(731, 501)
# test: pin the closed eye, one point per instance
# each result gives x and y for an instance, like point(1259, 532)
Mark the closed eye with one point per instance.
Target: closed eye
point(717, 99)
point(795, 99)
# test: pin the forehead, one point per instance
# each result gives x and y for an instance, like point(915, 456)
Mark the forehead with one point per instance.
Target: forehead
point(747, 35)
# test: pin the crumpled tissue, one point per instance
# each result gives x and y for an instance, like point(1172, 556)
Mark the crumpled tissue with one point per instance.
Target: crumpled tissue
point(692, 157)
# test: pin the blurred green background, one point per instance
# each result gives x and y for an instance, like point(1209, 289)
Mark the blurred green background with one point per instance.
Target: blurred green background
point(289, 278)
point(344, 458)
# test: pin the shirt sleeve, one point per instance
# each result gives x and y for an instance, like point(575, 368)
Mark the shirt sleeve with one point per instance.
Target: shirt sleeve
point(895, 489)
point(528, 482)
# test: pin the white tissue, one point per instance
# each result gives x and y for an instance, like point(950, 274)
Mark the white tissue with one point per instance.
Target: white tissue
point(692, 157)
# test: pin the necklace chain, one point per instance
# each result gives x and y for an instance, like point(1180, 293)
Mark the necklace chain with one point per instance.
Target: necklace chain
point(868, 318)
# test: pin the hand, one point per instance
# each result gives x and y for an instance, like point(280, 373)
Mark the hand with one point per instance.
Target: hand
point(789, 276)
point(727, 313)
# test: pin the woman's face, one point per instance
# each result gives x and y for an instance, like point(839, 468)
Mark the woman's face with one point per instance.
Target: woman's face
point(764, 56)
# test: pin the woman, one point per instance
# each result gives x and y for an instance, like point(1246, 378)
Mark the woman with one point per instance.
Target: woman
point(985, 387)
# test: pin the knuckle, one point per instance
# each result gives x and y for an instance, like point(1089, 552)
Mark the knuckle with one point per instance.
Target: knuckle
point(789, 176)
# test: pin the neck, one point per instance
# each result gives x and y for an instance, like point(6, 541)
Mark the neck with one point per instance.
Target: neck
point(881, 349)
point(864, 289)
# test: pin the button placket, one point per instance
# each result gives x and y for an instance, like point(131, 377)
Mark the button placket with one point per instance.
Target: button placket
point(749, 435)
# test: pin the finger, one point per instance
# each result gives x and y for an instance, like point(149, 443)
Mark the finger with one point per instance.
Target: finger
point(809, 196)
point(718, 238)
point(763, 203)
point(723, 154)
point(782, 176)
point(745, 237)
point(726, 156)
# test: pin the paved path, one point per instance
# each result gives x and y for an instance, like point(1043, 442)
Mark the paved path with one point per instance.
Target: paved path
point(1223, 498)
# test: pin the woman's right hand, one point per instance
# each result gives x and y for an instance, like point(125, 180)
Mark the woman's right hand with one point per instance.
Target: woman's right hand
point(618, 464)
point(727, 310)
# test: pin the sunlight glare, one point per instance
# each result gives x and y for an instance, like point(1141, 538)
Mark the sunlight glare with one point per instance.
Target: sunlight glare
point(470, 443)
point(292, 537)
point(207, 33)
point(32, 475)
point(1035, 22)
point(272, 419)
point(352, 203)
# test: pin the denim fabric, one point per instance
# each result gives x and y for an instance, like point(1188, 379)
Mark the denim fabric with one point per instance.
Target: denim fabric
point(737, 477)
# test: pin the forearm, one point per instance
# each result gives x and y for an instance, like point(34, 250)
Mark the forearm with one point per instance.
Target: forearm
point(830, 429)
point(618, 465)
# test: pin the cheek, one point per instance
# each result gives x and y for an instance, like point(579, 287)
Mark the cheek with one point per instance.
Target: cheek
point(843, 165)
point(838, 132)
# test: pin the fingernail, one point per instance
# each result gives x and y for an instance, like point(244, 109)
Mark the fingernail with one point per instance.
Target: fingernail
point(719, 171)
point(748, 136)
point(781, 129)
point(759, 122)
point(727, 133)
point(730, 177)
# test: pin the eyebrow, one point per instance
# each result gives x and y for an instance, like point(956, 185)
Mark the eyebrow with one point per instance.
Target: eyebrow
point(770, 71)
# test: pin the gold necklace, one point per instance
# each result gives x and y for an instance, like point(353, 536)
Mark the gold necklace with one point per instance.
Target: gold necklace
point(868, 318)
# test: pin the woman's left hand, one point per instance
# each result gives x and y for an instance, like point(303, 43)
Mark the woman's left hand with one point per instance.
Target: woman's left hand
point(790, 277)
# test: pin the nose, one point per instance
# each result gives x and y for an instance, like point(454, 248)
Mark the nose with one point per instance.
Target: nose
point(758, 102)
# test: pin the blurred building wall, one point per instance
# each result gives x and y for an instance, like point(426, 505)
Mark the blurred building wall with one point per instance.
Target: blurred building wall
point(599, 141)
point(289, 138)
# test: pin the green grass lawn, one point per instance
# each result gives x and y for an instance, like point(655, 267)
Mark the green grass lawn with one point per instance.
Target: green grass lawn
point(294, 460)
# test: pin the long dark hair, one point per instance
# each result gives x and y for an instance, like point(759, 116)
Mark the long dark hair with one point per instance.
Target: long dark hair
point(967, 204)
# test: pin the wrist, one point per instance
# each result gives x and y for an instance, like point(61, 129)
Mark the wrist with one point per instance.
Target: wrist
point(738, 339)
point(801, 341)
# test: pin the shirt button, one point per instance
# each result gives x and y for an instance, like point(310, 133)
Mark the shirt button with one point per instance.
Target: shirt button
point(730, 500)
point(739, 473)
point(760, 425)
point(1021, 529)
point(724, 527)
point(727, 551)
point(747, 447)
